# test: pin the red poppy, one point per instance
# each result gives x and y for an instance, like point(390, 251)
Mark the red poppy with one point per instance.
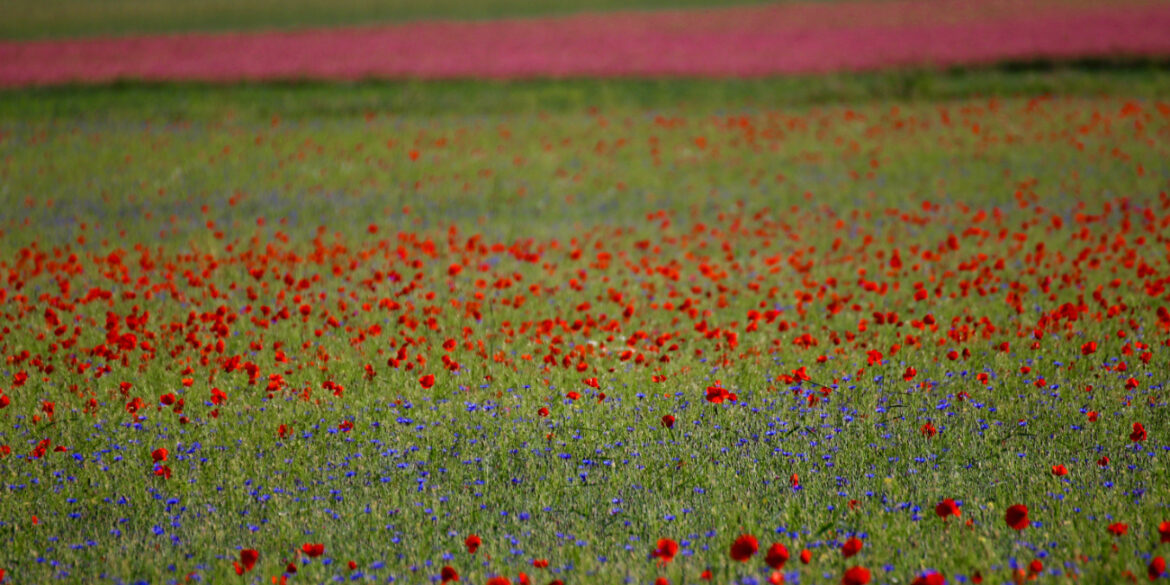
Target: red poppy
point(909, 373)
point(1035, 567)
point(163, 471)
point(1059, 470)
point(499, 581)
point(705, 575)
point(1092, 414)
point(1103, 461)
point(427, 381)
point(717, 394)
point(352, 565)
point(448, 574)
point(776, 578)
point(313, 549)
point(1138, 434)
point(1118, 529)
point(668, 421)
point(1156, 569)
point(666, 550)
point(290, 568)
point(540, 563)
point(248, 558)
point(946, 508)
point(930, 579)
point(345, 426)
point(855, 576)
point(777, 556)
point(1089, 348)
point(928, 430)
point(1164, 531)
point(159, 454)
point(1017, 517)
point(744, 547)
point(662, 581)
point(167, 399)
point(851, 547)
point(543, 412)
point(806, 556)
point(472, 543)
point(794, 480)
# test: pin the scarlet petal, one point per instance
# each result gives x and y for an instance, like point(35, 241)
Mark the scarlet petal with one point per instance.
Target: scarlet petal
point(1017, 517)
point(744, 547)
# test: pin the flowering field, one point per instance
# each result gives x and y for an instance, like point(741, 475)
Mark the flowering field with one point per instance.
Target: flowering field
point(874, 341)
point(734, 42)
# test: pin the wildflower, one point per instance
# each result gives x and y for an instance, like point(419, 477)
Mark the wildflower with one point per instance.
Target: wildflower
point(946, 508)
point(744, 547)
point(1017, 517)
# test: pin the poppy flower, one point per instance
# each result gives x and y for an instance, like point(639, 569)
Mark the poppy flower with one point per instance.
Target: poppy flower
point(1092, 415)
point(163, 471)
point(1035, 567)
point(472, 543)
point(248, 558)
point(290, 568)
point(909, 373)
point(427, 381)
point(947, 508)
point(744, 547)
point(1138, 434)
point(1164, 531)
point(352, 565)
point(705, 575)
point(313, 549)
point(851, 547)
point(855, 576)
point(159, 454)
point(668, 421)
point(1017, 517)
point(1118, 529)
point(930, 579)
point(776, 578)
point(777, 556)
point(543, 412)
point(806, 556)
point(447, 574)
point(928, 430)
point(1059, 470)
point(499, 581)
point(666, 550)
point(1103, 461)
point(1156, 569)
point(662, 581)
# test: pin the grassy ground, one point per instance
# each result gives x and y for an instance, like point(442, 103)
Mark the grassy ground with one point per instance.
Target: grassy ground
point(656, 236)
point(27, 19)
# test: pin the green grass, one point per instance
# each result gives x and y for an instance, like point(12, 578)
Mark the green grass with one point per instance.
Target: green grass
point(28, 19)
point(1146, 79)
point(199, 203)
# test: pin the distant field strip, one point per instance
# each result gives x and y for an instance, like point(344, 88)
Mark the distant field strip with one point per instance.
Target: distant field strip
point(744, 41)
